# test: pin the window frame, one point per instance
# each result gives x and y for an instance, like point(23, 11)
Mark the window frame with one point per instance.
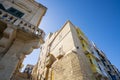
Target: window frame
point(15, 12)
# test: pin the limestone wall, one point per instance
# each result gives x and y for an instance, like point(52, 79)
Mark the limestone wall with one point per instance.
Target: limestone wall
point(70, 62)
point(33, 12)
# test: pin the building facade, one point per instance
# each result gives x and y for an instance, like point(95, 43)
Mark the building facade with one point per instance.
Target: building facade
point(68, 55)
point(28, 70)
point(19, 33)
point(25, 75)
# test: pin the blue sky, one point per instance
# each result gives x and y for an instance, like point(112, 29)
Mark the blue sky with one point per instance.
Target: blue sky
point(98, 19)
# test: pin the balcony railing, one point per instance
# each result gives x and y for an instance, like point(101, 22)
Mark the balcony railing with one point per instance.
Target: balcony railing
point(21, 24)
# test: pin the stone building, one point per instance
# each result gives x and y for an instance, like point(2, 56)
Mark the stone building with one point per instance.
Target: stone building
point(28, 70)
point(62, 57)
point(25, 75)
point(68, 55)
point(19, 33)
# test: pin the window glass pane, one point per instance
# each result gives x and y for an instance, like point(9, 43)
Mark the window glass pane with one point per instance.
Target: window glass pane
point(2, 7)
point(15, 12)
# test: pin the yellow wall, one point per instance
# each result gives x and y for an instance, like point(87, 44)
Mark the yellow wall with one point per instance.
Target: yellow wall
point(85, 45)
point(94, 64)
point(83, 40)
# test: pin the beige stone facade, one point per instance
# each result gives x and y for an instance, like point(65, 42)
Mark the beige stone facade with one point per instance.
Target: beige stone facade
point(68, 55)
point(62, 58)
point(19, 33)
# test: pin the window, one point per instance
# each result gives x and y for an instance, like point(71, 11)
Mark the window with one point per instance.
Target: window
point(99, 67)
point(83, 45)
point(103, 61)
point(2, 7)
point(15, 12)
point(90, 61)
point(109, 67)
point(3, 26)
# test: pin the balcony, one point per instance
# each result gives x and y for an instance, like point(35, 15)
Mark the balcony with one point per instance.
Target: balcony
point(22, 25)
point(96, 70)
point(49, 60)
